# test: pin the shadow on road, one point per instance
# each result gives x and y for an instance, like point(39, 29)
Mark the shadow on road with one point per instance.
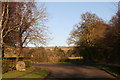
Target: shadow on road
point(75, 70)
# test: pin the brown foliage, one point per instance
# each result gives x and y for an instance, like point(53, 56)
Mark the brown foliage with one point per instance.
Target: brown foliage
point(23, 23)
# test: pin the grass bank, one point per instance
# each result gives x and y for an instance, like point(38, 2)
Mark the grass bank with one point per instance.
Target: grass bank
point(29, 74)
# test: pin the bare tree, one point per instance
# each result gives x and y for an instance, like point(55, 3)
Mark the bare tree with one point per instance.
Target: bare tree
point(25, 22)
point(7, 23)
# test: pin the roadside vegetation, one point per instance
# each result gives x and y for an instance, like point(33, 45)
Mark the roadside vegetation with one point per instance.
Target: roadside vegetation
point(29, 73)
point(15, 73)
point(23, 23)
point(98, 42)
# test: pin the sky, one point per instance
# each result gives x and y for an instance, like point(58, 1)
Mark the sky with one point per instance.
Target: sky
point(64, 15)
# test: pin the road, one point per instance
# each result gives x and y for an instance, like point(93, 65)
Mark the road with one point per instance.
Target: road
point(66, 70)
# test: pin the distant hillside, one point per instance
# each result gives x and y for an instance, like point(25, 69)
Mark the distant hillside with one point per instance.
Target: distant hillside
point(11, 51)
point(63, 48)
point(52, 48)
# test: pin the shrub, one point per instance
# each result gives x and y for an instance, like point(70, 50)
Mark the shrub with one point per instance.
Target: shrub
point(5, 66)
point(28, 63)
point(8, 65)
point(12, 65)
point(31, 51)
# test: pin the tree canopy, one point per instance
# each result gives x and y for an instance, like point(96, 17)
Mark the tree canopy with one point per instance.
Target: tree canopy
point(96, 40)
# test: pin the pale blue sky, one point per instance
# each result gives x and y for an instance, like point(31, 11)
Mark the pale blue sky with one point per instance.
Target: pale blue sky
point(63, 15)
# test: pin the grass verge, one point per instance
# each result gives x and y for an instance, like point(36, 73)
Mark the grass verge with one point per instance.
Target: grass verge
point(36, 75)
point(14, 74)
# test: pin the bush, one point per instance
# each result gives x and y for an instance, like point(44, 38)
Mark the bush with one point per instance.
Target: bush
point(12, 65)
point(28, 63)
point(5, 66)
point(8, 65)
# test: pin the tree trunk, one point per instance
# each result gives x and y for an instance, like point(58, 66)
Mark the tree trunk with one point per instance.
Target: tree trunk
point(20, 46)
point(3, 51)
point(1, 44)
